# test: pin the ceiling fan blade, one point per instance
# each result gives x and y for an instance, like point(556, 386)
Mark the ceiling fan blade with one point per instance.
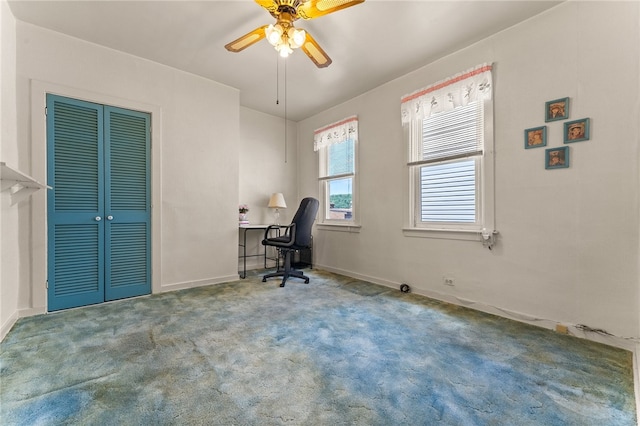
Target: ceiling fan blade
point(315, 52)
point(315, 8)
point(246, 40)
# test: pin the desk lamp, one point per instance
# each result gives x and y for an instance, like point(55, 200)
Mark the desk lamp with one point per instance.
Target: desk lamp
point(277, 202)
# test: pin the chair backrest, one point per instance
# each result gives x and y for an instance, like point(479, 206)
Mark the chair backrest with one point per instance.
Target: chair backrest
point(304, 218)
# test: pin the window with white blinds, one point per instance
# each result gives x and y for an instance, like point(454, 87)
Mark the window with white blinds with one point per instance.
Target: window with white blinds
point(451, 144)
point(448, 128)
point(337, 148)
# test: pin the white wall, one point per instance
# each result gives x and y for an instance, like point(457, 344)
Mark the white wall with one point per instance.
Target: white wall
point(195, 156)
point(9, 236)
point(267, 165)
point(264, 168)
point(568, 246)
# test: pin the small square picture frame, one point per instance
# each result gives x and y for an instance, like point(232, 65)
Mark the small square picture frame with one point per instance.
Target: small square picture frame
point(577, 130)
point(535, 137)
point(556, 158)
point(557, 109)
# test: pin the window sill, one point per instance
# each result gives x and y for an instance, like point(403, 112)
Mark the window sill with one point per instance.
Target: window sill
point(444, 234)
point(339, 227)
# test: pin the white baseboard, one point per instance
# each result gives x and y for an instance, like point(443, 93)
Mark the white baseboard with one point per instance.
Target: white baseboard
point(362, 277)
point(20, 313)
point(258, 263)
point(29, 312)
point(7, 325)
point(199, 283)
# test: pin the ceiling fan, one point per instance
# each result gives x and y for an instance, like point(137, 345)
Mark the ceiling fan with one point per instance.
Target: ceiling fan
point(283, 35)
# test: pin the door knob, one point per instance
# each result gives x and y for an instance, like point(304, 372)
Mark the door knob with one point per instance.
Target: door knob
point(98, 218)
point(109, 217)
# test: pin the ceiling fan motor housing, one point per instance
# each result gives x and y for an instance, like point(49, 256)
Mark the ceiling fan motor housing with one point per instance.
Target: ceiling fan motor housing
point(286, 12)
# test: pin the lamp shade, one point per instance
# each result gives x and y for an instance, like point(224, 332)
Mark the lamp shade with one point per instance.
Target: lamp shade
point(277, 201)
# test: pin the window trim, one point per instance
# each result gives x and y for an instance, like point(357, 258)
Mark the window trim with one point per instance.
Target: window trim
point(340, 227)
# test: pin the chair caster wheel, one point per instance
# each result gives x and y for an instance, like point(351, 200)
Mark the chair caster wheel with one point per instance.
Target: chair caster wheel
point(264, 280)
point(282, 285)
point(306, 281)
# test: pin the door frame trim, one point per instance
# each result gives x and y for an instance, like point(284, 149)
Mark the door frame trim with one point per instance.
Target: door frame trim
point(39, 90)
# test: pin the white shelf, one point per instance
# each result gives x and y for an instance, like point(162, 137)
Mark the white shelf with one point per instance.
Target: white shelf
point(19, 184)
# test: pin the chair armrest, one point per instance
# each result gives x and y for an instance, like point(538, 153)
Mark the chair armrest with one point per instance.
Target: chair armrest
point(278, 227)
point(279, 241)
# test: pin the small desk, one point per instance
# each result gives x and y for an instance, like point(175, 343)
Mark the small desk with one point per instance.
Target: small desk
point(244, 229)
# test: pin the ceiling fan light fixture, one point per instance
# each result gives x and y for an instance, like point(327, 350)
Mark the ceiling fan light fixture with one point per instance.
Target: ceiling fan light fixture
point(274, 34)
point(284, 50)
point(285, 38)
point(296, 37)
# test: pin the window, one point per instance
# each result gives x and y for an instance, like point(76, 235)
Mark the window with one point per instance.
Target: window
point(450, 144)
point(446, 168)
point(337, 147)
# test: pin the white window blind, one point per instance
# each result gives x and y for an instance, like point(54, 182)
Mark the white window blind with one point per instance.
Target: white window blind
point(341, 160)
point(447, 170)
point(452, 134)
point(448, 192)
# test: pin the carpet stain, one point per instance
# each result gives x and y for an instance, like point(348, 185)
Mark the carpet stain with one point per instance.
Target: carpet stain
point(338, 351)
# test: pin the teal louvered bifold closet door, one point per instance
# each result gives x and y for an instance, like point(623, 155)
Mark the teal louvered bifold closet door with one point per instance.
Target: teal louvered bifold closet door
point(76, 203)
point(127, 203)
point(99, 208)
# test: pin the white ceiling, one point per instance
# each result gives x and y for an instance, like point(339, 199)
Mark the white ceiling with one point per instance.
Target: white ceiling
point(370, 43)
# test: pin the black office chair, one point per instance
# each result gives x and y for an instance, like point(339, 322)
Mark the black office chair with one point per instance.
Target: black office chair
point(297, 236)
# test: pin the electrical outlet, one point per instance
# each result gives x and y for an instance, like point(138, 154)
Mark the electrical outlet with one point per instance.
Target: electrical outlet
point(448, 281)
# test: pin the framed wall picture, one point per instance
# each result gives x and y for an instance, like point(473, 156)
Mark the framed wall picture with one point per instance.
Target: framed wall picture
point(535, 137)
point(557, 109)
point(576, 131)
point(556, 158)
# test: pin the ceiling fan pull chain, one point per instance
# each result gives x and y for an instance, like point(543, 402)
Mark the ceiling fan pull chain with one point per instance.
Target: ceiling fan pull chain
point(277, 81)
point(285, 111)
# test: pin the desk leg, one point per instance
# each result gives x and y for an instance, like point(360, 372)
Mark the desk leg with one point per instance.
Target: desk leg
point(244, 255)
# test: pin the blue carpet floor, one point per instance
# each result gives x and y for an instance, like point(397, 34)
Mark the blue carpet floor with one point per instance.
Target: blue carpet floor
point(334, 352)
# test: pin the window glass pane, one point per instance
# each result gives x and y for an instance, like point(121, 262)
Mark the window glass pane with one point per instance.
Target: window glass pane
point(448, 192)
point(341, 158)
point(340, 204)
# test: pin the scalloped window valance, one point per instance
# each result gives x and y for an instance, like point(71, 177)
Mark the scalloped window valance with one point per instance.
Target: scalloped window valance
point(459, 90)
point(340, 131)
